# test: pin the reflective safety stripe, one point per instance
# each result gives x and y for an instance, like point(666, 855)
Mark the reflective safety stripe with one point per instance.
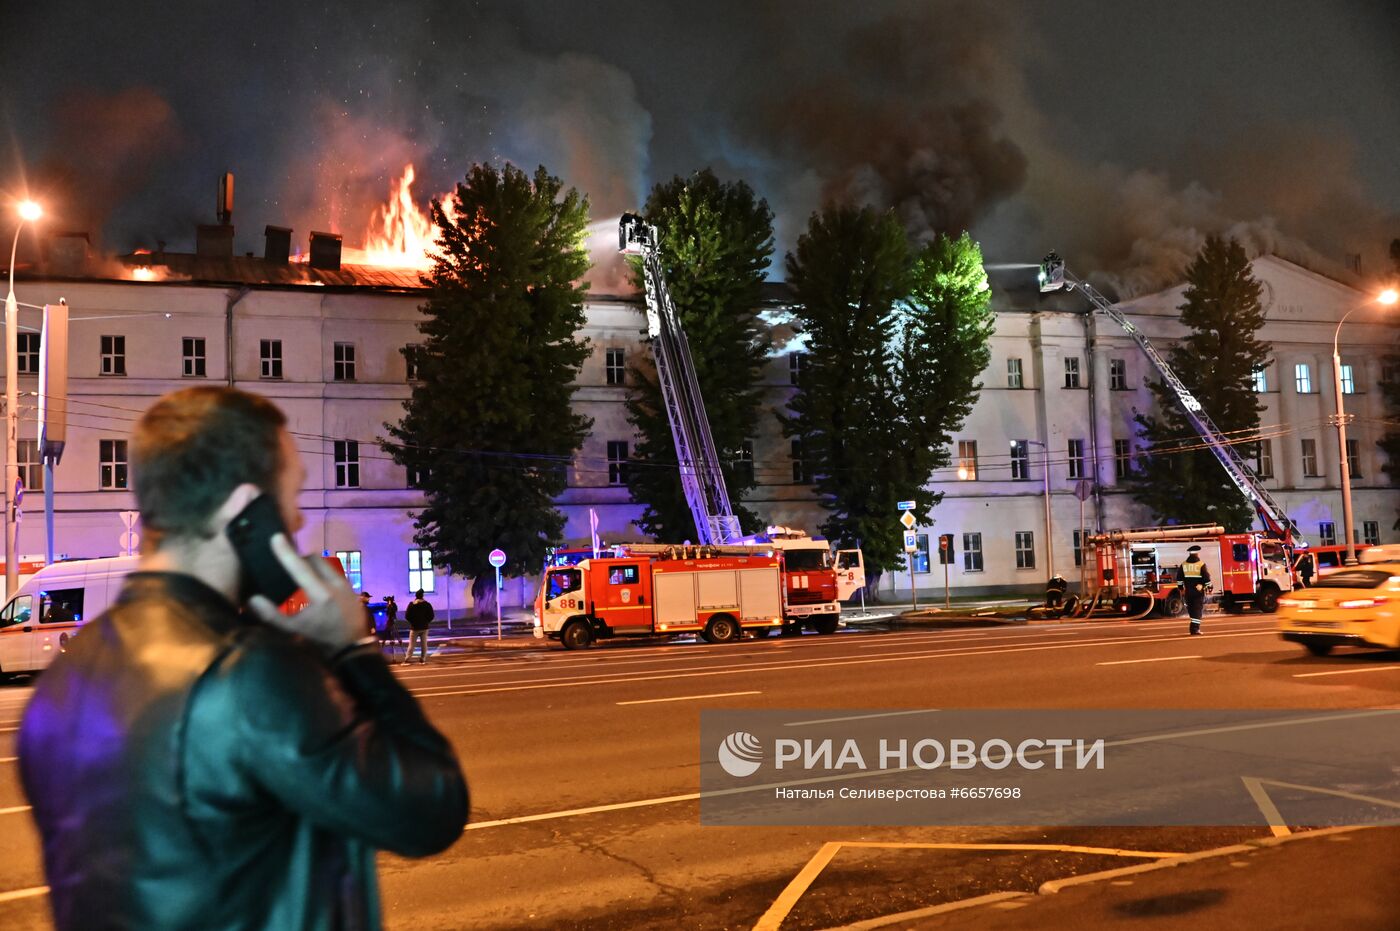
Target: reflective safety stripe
point(1192, 570)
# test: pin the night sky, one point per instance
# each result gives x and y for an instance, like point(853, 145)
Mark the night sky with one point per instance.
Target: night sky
point(1117, 133)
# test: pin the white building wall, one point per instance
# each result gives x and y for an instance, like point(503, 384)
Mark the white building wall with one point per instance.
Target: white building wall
point(376, 518)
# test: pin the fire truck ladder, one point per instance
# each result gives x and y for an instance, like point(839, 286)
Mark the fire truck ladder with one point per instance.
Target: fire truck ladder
point(701, 478)
point(1054, 276)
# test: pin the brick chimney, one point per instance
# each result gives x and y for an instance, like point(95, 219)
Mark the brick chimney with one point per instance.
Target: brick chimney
point(325, 251)
point(279, 244)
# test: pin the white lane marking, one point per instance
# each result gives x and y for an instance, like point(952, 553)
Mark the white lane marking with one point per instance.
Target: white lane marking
point(872, 773)
point(15, 810)
point(525, 685)
point(862, 717)
point(1343, 672)
point(652, 701)
point(1154, 659)
point(23, 893)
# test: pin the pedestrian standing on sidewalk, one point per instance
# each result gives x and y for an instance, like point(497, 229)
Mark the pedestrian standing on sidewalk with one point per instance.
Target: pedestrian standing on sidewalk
point(369, 614)
point(1194, 578)
point(419, 615)
point(391, 618)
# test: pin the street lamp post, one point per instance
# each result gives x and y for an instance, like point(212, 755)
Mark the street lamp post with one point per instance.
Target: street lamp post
point(1387, 297)
point(28, 213)
point(1049, 522)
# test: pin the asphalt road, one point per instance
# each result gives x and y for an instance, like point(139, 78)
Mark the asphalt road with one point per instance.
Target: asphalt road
point(584, 771)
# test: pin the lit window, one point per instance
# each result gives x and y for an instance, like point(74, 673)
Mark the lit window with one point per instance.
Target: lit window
point(420, 571)
point(1348, 380)
point(1302, 378)
point(1020, 459)
point(920, 555)
point(350, 562)
point(967, 460)
point(1261, 381)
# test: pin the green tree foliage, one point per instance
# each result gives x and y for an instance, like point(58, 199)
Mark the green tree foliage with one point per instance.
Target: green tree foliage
point(1177, 480)
point(896, 339)
point(489, 427)
point(716, 240)
point(1390, 443)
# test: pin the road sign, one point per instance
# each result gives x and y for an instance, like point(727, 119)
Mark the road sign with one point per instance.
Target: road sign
point(911, 542)
point(907, 519)
point(130, 542)
point(497, 558)
point(905, 506)
point(1083, 489)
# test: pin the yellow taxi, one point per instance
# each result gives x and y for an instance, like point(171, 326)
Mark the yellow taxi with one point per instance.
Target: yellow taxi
point(1354, 606)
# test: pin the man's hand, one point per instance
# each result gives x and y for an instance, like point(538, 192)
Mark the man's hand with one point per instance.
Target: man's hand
point(332, 618)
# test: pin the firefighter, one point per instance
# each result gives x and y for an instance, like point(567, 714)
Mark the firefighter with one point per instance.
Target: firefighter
point(1055, 591)
point(1194, 578)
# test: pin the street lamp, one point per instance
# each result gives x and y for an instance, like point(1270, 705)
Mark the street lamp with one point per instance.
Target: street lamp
point(28, 212)
point(1049, 523)
point(1387, 298)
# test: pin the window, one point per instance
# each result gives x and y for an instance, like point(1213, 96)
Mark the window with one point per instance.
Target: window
point(1348, 380)
point(800, 473)
point(920, 555)
point(344, 362)
point(347, 464)
point(1302, 378)
point(1327, 532)
point(111, 455)
point(972, 552)
point(420, 571)
point(617, 462)
point(1353, 459)
point(61, 605)
point(1264, 459)
point(1118, 374)
point(967, 460)
point(28, 353)
point(1076, 459)
point(1013, 374)
point(31, 470)
point(1371, 532)
point(1025, 549)
point(1080, 536)
point(192, 349)
point(1310, 459)
point(1072, 372)
point(1261, 381)
point(410, 363)
point(614, 365)
point(270, 352)
point(1020, 459)
point(114, 355)
point(741, 461)
point(623, 575)
point(351, 563)
point(795, 365)
point(415, 476)
point(1122, 458)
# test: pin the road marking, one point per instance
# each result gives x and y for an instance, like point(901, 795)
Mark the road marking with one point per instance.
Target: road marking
point(23, 893)
point(1154, 659)
point(18, 809)
point(591, 810)
point(652, 701)
point(862, 717)
point(1343, 672)
point(783, 904)
point(525, 685)
point(1266, 805)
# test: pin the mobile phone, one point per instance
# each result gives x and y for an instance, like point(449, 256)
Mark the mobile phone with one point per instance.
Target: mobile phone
point(251, 534)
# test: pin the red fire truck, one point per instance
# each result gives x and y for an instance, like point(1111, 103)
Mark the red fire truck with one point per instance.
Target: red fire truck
point(1137, 568)
point(718, 597)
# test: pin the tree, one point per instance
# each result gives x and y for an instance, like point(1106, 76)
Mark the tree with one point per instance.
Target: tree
point(1177, 479)
point(716, 240)
point(895, 342)
point(489, 429)
point(1390, 387)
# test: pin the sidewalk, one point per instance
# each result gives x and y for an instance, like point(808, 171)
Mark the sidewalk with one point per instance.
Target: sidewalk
point(1333, 878)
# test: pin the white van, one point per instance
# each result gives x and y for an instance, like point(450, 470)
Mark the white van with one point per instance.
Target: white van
point(52, 604)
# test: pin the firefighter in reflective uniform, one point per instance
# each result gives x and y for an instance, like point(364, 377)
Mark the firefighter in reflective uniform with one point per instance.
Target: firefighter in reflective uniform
point(1194, 578)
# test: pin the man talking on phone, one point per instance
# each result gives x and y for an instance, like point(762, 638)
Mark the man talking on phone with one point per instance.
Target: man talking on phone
point(191, 766)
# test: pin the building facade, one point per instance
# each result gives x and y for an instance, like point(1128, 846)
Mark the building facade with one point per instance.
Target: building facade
point(333, 348)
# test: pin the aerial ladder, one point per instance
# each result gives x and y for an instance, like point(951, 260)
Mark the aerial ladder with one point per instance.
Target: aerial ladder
point(1054, 276)
point(701, 478)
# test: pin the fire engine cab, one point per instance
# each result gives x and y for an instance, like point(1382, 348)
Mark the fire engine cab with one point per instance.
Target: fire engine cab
point(1138, 567)
point(718, 597)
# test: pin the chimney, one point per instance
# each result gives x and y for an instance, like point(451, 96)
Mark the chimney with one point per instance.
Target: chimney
point(279, 244)
point(68, 254)
point(213, 241)
point(325, 251)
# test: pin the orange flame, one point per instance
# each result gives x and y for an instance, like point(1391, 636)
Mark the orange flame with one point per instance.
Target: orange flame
point(399, 234)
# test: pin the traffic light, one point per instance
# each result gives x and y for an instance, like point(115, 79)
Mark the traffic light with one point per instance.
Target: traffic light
point(945, 548)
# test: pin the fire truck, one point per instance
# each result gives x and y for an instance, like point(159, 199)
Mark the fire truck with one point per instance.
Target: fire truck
point(1137, 568)
point(716, 596)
